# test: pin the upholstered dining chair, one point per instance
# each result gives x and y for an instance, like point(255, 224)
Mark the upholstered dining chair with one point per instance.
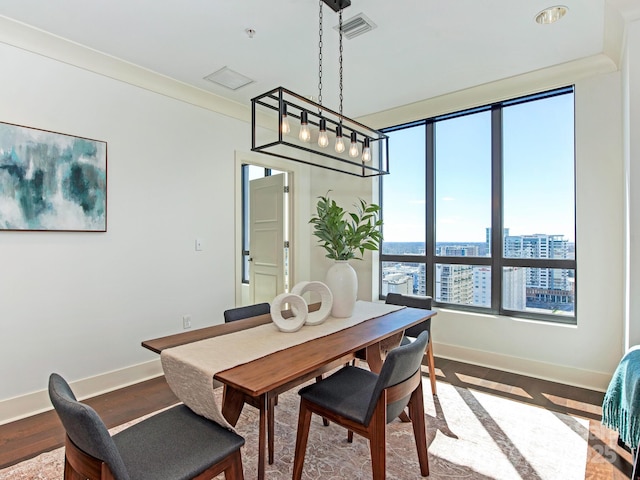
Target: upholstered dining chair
point(240, 313)
point(423, 302)
point(174, 444)
point(364, 402)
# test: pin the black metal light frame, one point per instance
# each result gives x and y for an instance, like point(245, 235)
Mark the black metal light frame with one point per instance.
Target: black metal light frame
point(337, 5)
point(266, 114)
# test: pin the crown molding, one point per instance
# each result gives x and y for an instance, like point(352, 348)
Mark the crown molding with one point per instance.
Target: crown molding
point(37, 41)
point(516, 86)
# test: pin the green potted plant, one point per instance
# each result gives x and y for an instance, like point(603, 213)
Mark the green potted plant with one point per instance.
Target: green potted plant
point(345, 235)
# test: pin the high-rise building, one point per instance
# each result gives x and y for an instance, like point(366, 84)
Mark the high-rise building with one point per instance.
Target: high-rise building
point(514, 290)
point(540, 245)
point(454, 284)
point(458, 250)
point(482, 286)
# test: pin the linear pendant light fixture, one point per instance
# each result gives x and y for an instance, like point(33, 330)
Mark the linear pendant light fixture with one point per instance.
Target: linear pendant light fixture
point(287, 125)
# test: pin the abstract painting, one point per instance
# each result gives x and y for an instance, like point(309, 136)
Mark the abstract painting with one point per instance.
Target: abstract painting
point(51, 181)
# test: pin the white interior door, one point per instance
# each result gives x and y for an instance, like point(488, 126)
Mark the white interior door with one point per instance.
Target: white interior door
point(267, 215)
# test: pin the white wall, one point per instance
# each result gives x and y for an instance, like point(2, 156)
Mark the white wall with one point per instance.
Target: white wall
point(631, 79)
point(81, 303)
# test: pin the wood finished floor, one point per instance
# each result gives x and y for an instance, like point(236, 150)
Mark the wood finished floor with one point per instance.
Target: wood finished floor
point(606, 460)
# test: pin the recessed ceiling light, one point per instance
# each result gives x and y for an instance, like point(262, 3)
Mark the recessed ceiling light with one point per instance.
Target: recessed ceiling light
point(551, 14)
point(229, 78)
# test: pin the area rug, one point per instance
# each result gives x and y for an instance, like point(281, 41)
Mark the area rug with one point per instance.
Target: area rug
point(471, 435)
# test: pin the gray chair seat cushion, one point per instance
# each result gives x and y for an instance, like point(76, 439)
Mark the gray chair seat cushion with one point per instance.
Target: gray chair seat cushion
point(347, 392)
point(176, 444)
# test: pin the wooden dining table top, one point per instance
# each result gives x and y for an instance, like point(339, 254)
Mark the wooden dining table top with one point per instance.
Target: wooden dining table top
point(276, 370)
point(285, 366)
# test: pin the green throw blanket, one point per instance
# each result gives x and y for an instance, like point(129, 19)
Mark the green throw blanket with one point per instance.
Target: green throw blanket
point(621, 405)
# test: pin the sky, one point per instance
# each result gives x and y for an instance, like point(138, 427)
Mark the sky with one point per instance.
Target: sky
point(538, 146)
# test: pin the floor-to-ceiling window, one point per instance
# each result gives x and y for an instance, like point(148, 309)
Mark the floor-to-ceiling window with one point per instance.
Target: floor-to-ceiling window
point(479, 208)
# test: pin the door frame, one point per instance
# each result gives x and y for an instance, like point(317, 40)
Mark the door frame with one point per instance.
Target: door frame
point(299, 214)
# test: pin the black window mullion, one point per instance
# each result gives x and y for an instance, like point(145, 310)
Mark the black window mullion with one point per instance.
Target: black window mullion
point(430, 206)
point(558, 263)
point(496, 208)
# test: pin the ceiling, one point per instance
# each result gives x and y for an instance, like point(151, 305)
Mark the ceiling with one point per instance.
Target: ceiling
point(419, 49)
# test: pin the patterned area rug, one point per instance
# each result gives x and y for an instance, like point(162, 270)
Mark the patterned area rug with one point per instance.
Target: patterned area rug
point(471, 435)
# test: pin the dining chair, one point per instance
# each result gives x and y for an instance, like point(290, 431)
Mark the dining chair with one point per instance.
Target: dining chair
point(175, 444)
point(240, 313)
point(364, 402)
point(410, 333)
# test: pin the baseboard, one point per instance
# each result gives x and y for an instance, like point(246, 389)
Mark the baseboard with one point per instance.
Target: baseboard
point(37, 402)
point(545, 371)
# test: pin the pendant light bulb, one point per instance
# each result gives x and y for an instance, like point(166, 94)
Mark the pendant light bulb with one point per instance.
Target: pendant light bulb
point(339, 140)
point(285, 128)
point(353, 148)
point(305, 133)
point(366, 150)
point(323, 139)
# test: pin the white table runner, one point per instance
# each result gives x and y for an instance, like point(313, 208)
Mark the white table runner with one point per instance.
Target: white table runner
point(189, 369)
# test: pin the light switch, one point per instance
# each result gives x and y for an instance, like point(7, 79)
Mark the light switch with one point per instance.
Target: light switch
point(198, 244)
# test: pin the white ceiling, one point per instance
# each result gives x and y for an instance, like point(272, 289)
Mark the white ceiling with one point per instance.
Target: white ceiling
point(420, 48)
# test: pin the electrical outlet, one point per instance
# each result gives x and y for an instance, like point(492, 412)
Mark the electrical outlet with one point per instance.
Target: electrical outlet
point(186, 321)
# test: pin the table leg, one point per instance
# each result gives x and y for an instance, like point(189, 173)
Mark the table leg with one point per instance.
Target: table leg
point(377, 352)
point(262, 434)
point(233, 401)
point(271, 405)
point(232, 404)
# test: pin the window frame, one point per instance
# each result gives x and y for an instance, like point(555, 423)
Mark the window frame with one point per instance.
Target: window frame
point(496, 261)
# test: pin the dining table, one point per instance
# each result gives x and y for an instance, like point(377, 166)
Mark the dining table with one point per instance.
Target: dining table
point(276, 369)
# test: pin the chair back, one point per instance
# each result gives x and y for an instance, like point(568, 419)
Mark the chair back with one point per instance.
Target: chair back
point(84, 427)
point(413, 301)
point(401, 365)
point(240, 313)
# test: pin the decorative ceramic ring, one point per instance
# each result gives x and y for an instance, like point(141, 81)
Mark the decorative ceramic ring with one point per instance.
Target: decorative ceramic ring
point(326, 299)
point(298, 307)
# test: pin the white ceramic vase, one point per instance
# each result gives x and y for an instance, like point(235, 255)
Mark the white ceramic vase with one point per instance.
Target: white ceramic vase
point(343, 283)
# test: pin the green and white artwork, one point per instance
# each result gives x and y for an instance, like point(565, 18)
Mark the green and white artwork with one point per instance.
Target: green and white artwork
point(51, 181)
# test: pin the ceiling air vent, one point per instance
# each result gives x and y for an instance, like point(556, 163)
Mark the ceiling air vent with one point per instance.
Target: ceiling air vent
point(229, 78)
point(357, 25)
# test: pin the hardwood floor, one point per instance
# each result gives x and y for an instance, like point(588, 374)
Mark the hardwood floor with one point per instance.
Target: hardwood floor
point(605, 459)
point(31, 436)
